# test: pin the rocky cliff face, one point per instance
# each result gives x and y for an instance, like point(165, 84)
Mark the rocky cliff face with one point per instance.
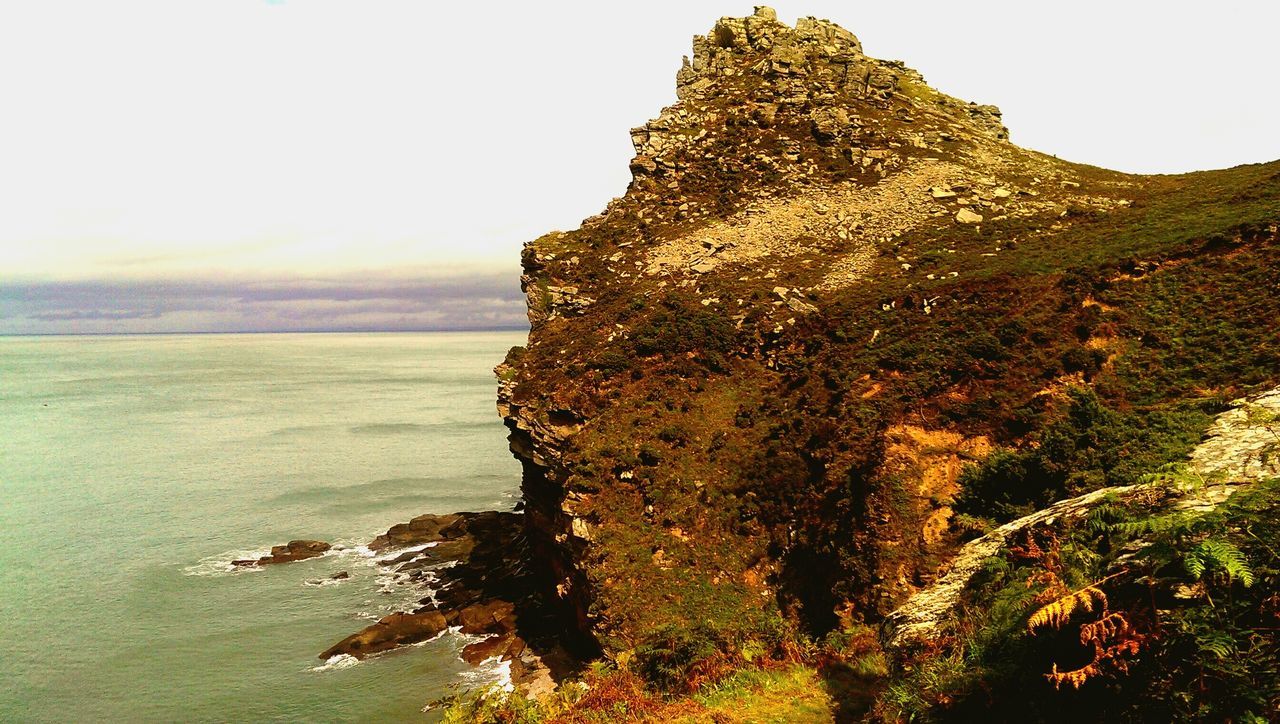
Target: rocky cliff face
point(754, 380)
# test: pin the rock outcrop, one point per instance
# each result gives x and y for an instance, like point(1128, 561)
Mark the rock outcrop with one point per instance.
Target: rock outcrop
point(792, 162)
point(294, 550)
point(819, 263)
point(478, 569)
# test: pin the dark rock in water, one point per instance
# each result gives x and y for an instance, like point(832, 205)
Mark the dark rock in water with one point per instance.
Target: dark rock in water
point(294, 550)
point(423, 529)
point(340, 576)
point(490, 589)
point(397, 629)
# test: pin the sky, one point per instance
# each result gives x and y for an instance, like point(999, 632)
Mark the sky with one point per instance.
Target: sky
point(255, 165)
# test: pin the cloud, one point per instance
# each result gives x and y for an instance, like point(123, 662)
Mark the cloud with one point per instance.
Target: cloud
point(369, 303)
point(80, 314)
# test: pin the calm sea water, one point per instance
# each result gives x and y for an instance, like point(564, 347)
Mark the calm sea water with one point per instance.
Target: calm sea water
point(133, 469)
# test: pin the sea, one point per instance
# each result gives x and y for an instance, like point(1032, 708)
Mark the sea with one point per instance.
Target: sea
point(134, 469)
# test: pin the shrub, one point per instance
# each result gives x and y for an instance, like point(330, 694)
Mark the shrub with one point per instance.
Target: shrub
point(669, 655)
point(678, 328)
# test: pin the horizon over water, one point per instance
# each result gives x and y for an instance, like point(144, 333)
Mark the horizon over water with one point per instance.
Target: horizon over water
point(134, 468)
point(522, 328)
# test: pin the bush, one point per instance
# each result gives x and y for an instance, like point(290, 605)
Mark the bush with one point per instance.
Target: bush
point(669, 655)
point(678, 328)
point(611, 362)
point(1091, 446)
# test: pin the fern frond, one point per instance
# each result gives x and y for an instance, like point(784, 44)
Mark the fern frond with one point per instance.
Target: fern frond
point(1194, 563)
point(1157, 524)
point(996, 566)
point(1075, 678)
point(1105, 516)
point(1218, 644)
point(1218, 554)
point(1108, 628)
point(1056, 613)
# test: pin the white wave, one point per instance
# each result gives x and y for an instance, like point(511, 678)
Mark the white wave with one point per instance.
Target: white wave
point(333, 663)
point(325, 581)
point(397, 552)
point(220, 564)
point(493, 671)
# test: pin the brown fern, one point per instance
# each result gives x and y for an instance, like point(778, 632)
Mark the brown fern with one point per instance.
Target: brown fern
point(1075, 677)
point(1113, 641)
point(1111, 627)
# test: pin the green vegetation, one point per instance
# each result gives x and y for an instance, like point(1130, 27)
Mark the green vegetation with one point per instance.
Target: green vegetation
point(1197, 597)
point(785, 693)
point(1091, 446)
point(679, 327)
point(738, 462)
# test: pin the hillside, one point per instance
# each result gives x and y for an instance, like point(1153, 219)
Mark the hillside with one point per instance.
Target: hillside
point(838, 326)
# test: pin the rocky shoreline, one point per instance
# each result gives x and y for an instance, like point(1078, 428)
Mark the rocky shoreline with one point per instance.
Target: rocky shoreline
point(476, 565)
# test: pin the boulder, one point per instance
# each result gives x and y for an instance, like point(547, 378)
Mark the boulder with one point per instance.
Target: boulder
point(828, 123)
point(294, 550)
point(397, 629)
point(504, 646)
point(423, 529)
point(485, 617)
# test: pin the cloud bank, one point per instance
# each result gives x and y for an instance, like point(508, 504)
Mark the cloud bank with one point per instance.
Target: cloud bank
point(350, 303)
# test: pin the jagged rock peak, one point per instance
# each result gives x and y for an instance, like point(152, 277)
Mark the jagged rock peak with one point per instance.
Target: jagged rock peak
point(760, 92)
point(762, 31)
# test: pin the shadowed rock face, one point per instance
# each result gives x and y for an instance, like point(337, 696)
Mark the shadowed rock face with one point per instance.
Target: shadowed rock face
point(479, 569)
point(294, 550)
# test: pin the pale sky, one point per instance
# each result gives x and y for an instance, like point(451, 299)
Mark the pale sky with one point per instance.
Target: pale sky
point(169, 143)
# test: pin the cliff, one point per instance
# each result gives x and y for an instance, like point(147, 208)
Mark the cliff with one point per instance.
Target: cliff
point(838, 325)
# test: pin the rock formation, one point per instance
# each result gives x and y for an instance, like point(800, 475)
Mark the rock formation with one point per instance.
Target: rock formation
point(294, 550)
point(478, 570)
point(792, 169)
point(838, 323)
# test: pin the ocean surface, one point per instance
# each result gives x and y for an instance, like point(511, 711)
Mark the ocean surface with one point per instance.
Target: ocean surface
point(134, 469)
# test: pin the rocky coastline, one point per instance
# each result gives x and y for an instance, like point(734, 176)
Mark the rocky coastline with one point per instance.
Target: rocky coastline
point(476, 569)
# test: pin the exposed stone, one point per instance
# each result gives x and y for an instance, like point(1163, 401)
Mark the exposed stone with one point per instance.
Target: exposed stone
point(479, 568)
point(829, 123)
point(790, 160)
point(294, 550)
point(397, 629)
point(422, 529)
